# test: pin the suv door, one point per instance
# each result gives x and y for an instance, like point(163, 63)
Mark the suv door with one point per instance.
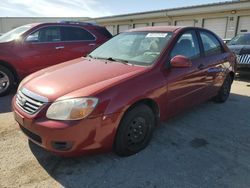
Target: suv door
point(41, 48)
point(186, 86)
point(215, 61)
point(78, 42)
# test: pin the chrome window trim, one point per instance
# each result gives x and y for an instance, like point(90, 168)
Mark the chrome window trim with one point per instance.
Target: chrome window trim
point(24, 40)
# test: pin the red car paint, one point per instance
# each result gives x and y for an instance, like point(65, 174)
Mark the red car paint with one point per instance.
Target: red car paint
point(118, 87)
point(23, 58)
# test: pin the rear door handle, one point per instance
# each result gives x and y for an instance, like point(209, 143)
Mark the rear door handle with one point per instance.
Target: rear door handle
point(59, 47)
point(93, 44)
point(201, 66)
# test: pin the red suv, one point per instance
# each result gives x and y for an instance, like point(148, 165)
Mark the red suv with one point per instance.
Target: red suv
point(114, 98)
point(32, 47)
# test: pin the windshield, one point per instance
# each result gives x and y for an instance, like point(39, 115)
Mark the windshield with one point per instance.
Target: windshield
point(140, 48)
point(242, 39)
point(14, 34)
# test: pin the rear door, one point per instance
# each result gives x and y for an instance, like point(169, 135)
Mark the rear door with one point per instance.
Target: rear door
point(215, 62)
point(186, 86)
point(78, 42)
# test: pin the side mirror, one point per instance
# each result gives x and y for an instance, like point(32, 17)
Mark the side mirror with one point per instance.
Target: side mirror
point(180, 61)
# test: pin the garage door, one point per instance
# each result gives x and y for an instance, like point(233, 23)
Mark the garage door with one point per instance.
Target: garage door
point(111, 29)
point(185, 22)
point(161, 24)
point(140, 25)
point(244, 24)
point(217, 25)
point(122, 28)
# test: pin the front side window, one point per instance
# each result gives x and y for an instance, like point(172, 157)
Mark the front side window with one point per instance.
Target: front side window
point(187, 45)
point(140, 48)
point(47, 34)
point(15, 33)
point(76, 34)
point(210, 43)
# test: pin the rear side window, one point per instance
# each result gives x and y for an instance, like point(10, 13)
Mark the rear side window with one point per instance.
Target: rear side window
point(187, 45)
point(210, 43)
point(47, 34)
point(76, 34)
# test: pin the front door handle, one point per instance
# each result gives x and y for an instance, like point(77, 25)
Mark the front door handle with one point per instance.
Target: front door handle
point(201, 66)
point(92, 44)
point(59, 47)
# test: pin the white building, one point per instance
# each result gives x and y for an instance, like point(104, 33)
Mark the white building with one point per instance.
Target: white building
point(226, 19)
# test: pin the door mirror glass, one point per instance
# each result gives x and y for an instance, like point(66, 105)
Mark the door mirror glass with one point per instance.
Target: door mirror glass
point(180, 61)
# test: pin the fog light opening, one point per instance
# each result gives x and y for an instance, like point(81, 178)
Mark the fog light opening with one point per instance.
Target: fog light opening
point(62, 146)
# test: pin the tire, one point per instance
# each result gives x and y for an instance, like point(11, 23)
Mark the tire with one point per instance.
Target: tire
point(7, 81)
point(224, 91)
point(135, 130)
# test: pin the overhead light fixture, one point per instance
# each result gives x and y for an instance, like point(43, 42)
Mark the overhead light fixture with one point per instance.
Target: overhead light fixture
point(233, 12)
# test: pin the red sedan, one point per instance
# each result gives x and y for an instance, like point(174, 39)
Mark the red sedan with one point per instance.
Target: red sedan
point(114, 98)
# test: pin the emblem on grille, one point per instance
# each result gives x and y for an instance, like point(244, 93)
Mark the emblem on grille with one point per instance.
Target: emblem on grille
point(23, 101)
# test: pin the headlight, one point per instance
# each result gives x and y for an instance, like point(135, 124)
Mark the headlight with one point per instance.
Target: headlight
point(71, 109)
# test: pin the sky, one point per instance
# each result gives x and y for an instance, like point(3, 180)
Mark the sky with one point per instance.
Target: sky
point(87, 8)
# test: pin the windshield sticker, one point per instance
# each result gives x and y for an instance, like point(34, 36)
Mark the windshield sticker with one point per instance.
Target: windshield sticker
point(156, 35)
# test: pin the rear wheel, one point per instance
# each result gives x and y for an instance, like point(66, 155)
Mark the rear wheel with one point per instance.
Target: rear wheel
point(224, 91)
point(135, 131)
point(7, 81)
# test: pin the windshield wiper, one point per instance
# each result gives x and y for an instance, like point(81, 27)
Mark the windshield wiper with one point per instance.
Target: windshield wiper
point(110, 59)
point(117, 60)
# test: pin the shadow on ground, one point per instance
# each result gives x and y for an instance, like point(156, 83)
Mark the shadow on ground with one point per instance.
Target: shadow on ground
point(5, 103)
point(243, 77)
point(208, 146)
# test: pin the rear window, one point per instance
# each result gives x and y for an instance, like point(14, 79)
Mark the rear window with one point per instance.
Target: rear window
point(76, 34)
point(103, 31)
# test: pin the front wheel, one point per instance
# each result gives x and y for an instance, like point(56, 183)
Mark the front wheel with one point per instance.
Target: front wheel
point(224, 91)
point(6, 81)
point(135, 131)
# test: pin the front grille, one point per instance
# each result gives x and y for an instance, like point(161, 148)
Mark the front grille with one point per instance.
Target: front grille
point(28, 103)
point(244, 59)
point(31, 135)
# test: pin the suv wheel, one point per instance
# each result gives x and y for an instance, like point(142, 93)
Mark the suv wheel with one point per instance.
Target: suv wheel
point(224, 91)
point(135, 131)
point(6, 81)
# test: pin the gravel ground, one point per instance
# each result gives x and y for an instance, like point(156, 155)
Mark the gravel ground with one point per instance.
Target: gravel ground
point(207, 146)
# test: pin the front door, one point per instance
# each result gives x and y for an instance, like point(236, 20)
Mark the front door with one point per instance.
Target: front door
point(186, 86)
point(41, 49)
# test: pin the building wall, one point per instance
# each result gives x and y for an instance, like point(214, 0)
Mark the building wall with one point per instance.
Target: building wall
point(9, 23)
point(223, 18)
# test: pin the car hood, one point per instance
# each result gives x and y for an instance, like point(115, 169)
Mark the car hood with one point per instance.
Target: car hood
point(88, 76)
point(240, 49)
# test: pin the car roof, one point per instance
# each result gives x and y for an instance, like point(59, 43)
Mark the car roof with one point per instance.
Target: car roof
point(158, 29)
point(80, 24)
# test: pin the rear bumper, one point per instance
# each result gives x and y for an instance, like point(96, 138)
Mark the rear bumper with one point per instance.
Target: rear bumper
point(70, 138)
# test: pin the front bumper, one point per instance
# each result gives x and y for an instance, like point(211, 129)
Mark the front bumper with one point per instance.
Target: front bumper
point(69, 138)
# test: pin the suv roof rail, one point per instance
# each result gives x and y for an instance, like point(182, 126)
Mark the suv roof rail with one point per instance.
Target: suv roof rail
point(78, 22)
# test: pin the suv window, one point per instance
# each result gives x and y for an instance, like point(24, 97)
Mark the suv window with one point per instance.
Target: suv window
point(47, 34)
point(76, 34)
point(210, 43)
point(187, 45)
